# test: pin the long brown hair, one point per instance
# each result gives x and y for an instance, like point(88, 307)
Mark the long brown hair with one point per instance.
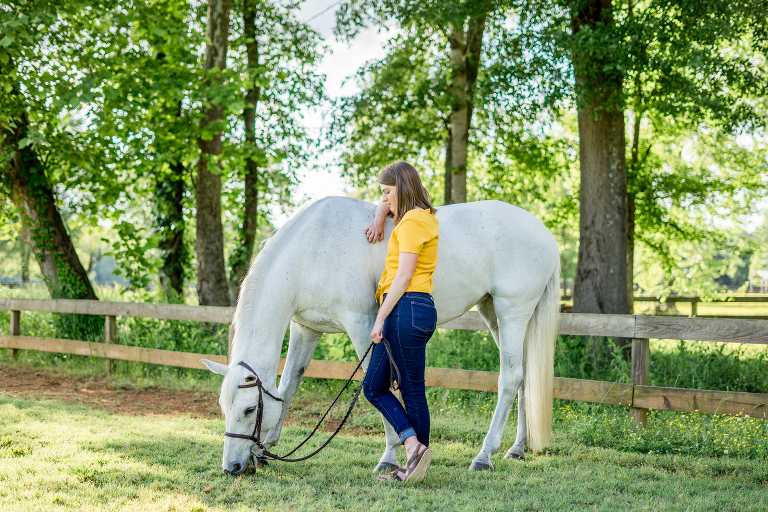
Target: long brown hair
point(410, 191)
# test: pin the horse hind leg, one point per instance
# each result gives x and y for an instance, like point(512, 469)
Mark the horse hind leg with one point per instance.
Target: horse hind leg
point(512, 330)
point(517, 451)
point(487, 311)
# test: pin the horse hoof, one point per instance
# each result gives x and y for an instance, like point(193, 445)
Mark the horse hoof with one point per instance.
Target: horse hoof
point(515, 455)
point(480, 466)
point(384, 467)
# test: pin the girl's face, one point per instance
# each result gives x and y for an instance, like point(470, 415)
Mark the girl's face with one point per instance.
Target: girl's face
point(389, 196)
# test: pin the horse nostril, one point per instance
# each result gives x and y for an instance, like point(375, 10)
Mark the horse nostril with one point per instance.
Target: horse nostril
point(235, 467)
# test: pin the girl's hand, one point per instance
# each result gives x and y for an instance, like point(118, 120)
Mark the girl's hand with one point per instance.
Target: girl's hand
point(375, 231)
point(377, 332)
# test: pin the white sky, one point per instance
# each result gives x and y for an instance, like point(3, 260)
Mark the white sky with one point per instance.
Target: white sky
point(339, 65)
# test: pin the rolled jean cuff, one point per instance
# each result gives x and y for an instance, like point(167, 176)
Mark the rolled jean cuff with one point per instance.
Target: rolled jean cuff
point(406, 434)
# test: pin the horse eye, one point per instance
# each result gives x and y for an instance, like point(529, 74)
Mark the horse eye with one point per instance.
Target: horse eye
point(249, 410)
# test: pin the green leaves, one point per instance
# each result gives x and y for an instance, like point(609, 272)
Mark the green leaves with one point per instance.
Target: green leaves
point(135, 253)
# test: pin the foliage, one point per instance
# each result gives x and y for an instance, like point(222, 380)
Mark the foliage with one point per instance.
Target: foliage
point(118, 103)
point(132, 252)
point(403, 111)
point(691, 75)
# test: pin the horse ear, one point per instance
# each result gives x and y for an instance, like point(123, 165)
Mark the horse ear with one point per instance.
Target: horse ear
point(219, 368)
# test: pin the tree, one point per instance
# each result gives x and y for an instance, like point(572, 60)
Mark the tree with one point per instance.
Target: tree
point(664, 60)
point(151, 119)
point(276, 57)
point(536, 69)
point(461, 28)
point(685, 90)
point(601, 274)
point(146, 123)
point(41, 141)
point(212, 287)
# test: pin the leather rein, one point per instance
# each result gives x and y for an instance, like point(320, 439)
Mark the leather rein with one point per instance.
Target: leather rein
point(260, 451)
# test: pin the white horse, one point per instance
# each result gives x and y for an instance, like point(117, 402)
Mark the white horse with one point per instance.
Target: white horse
point(319, 273)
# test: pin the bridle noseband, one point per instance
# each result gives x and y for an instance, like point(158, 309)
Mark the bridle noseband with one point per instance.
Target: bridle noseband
point(256, 436)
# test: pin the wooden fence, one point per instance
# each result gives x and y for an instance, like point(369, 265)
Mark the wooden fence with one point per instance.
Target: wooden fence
point(693, 300)
point(638, 396)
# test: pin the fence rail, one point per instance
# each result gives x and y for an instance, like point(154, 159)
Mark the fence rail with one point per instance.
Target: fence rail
point(637, 395)
point(694, 301)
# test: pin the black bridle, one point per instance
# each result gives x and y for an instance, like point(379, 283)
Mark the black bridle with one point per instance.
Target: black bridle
point(260, 451)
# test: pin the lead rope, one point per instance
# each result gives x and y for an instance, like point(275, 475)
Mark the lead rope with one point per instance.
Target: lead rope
point(260, 452)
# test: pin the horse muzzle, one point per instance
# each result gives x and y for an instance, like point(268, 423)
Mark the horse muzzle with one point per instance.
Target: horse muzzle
point(235, 469)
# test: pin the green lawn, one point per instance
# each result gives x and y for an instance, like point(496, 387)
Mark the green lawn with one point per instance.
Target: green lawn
point(56, 456)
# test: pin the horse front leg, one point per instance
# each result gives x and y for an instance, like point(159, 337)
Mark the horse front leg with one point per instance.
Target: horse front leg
point(359, 331)
point(301, 346)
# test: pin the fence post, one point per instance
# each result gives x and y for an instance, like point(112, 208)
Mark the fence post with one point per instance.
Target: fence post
point(110, 336)
point(693, 308)
point(15, 330)
point(640, 357)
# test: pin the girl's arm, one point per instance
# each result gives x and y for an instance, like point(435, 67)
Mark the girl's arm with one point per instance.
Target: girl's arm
point(405, 267)
point(375, 230)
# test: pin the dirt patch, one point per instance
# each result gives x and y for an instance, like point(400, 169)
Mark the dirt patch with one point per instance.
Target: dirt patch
point(42, 385)
point(132, 402)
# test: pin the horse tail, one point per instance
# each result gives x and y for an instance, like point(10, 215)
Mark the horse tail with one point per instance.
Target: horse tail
point(539, 361)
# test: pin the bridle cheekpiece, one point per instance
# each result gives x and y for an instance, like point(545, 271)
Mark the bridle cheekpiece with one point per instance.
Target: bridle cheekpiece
point(256, 435)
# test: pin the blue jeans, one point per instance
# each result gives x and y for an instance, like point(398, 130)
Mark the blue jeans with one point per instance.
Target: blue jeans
point(408, 329)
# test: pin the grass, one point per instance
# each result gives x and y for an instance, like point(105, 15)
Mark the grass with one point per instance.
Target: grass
point(712, 308)
point(55, 456)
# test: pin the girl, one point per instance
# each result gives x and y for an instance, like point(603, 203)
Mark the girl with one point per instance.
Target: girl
point(407, 316)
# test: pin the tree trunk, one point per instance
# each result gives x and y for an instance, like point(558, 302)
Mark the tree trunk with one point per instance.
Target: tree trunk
point(243, 252)
point(465, 62)
point(601, 276)
point(448, 168)
point(44, 231)
point(25, 252)
point(459, 115)
point(212, 286)
point(631, 184)
point(170, 224)
point(474, 47)
point(631, 252)
point(169, 199)
point(634, 167)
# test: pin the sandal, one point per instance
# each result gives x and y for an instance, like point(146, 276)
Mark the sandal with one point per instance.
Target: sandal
point(418, 463)
point(414, 470)
point(398, 475)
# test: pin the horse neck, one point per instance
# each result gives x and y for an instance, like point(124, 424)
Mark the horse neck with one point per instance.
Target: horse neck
point(264, 311)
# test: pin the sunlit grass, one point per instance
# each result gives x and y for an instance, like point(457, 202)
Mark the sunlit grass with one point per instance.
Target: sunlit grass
point(68, 457)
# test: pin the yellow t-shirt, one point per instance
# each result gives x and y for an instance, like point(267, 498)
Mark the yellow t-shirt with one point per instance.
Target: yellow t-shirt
point(415, 233)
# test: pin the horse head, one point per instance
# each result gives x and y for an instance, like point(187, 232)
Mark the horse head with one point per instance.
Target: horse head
point(241, 393)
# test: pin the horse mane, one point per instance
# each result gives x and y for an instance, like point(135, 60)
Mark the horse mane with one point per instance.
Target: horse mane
point(228, 389)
